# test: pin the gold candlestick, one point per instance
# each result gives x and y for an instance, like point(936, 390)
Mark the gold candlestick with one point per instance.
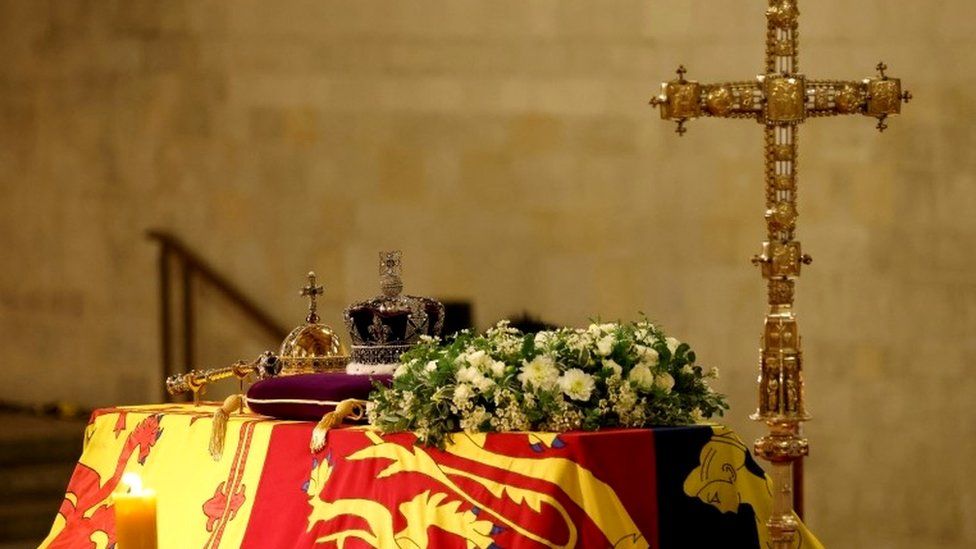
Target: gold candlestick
point(780, 100)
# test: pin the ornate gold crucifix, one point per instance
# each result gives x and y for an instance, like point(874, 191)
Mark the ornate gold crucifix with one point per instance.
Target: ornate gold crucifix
point(780, 100)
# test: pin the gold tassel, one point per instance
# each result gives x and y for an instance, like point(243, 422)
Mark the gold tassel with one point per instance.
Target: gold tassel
point(350, 408)
point(218, 431)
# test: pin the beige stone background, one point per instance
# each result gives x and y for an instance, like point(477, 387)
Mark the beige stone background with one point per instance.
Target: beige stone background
point(507, 148)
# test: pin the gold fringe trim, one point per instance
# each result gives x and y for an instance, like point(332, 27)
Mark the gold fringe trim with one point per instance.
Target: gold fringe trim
point(350, 408)
point(218, 431)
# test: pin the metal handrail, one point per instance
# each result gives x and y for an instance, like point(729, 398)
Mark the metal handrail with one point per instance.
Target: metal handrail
point(190, 265)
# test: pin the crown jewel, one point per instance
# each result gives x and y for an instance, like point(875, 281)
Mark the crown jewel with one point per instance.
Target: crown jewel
point(312, 347)
point(382, 328)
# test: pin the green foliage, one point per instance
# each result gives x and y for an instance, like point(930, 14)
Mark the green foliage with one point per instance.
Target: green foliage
point(606, 375)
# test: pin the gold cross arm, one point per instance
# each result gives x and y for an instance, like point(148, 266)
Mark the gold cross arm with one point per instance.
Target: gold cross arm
point(311, 291)
point(781, 99)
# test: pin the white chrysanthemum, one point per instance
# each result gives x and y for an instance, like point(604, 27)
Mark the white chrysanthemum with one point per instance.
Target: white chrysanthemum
point(541, 373)
point(687, 370)
point(431, 366)
point(400, 370)
point(672, 343)
point(664, 381)
point(642, 377)
point(604, 346)
point(616, 368)
point(697, 416)
point(577, 384)
point(647, 356)
point(713, 373)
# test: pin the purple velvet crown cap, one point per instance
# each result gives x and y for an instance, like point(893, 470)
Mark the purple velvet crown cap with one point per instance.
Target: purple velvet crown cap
point(309, 396)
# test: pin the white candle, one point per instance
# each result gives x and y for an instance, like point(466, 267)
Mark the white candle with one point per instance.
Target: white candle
point(135, 515)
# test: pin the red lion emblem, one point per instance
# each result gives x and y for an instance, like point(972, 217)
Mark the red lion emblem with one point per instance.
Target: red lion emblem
point(85, 507)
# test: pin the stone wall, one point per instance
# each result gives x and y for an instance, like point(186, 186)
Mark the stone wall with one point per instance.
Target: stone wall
point(507, 148)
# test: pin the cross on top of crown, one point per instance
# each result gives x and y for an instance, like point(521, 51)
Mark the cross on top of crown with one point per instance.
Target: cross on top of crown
point(311, 291)
point(682, 71)
point(390, 263)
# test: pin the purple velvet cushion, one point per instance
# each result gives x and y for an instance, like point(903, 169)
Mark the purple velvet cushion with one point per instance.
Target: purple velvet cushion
point(308, 396)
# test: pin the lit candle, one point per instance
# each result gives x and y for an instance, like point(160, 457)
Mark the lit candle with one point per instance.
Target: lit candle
point(135, 515)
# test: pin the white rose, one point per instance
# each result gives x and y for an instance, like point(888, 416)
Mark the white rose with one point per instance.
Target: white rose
point(577, 384)
point(469, 374)
point(648, 356)
point(497, 368)
point(642, 377)
point(604, 346)
point(462, 394)
point(477, 358)
point(474, 377)
point(483, 384)
point(664, 381)
point(672, 344)
point(578, 342)
point(541, 372)
point(617, 369)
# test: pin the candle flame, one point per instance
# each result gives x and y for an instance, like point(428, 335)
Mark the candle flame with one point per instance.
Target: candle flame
point(133, 481)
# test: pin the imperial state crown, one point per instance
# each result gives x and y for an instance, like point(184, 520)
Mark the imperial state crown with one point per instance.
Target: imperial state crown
point(383, 328)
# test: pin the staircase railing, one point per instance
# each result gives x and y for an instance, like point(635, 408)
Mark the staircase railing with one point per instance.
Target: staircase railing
point(176, 258)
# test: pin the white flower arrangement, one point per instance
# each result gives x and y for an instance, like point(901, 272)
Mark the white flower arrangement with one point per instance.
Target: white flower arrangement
point(606, 375)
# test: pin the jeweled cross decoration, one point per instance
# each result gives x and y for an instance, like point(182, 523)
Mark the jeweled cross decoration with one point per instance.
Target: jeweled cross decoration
point(311, 291)
point(781, 100)
point(390, 264)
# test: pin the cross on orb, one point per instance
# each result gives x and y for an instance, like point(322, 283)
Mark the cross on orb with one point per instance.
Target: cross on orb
point(311, 291)
point(781, 99)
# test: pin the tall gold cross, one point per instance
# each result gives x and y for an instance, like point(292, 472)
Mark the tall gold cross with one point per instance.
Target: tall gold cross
point(311, 291)
point(780, 100)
